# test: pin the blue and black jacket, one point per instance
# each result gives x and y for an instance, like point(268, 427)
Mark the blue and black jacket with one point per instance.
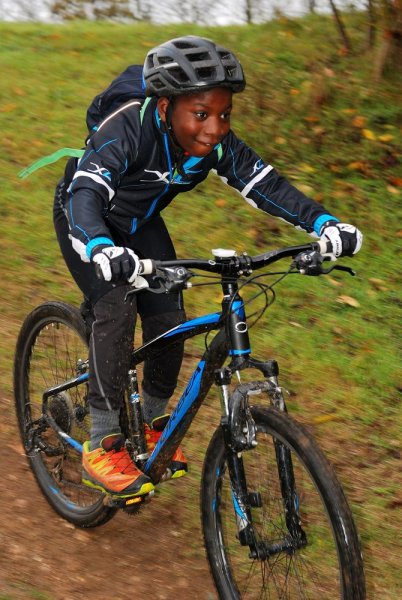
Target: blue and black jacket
point(128, 175)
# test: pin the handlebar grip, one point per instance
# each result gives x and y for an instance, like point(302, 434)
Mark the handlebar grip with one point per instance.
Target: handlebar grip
point(325, 246)
point(147, 266)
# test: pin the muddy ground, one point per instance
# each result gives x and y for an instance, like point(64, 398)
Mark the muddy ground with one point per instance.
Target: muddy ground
point(157, 554)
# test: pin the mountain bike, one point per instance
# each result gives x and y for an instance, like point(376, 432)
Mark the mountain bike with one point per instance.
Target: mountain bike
point(275, 520)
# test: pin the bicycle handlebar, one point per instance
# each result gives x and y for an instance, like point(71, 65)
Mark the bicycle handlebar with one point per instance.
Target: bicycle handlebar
point(226, 261)
point(173, 275)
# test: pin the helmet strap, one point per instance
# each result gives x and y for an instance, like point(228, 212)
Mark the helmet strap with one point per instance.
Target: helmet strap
point(178, 151)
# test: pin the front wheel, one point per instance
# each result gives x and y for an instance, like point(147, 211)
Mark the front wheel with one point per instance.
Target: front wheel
point(328, 565)
point(52, 348)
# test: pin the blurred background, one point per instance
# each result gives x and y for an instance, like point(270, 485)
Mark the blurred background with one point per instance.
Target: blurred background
point(323, 105)
point(205, 12)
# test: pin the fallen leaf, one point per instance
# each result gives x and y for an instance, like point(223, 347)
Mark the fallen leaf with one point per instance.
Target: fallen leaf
point(318, 130)
point(396, 181)
point(358, 165)
point(393, 190)
point(368, 134)
point(325, 418)
point(386, 137)
point(252, 233)
point(6, 108)
point(220, 202)
point(348, 300)
point(359, 121)
point(305, 168)
point(18, 91)
point(333, 282)
point(306, 189)
point(378, 284)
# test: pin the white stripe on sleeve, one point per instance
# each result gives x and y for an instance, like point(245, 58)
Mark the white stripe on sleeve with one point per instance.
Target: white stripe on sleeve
point(117, 111)
point(256, 179)
point(96, 178)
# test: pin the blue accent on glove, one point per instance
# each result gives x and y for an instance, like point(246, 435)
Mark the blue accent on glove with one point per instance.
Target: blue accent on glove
point(99, 241)
point(318, 223)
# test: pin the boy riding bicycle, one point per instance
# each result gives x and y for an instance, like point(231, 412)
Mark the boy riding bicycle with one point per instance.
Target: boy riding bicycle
point(107, 215)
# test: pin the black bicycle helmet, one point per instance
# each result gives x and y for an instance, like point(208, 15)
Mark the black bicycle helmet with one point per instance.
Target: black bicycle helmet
point(191, 64)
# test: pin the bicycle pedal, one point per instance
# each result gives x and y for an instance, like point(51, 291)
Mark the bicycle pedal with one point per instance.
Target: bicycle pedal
point(116, 502)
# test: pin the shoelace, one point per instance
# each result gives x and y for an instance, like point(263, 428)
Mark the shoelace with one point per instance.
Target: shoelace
point(119, 456)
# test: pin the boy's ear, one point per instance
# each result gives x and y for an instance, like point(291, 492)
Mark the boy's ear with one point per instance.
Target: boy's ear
point(162, 106)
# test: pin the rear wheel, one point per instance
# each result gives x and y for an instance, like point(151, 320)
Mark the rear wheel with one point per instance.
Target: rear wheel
point(52, 348)
point(329, 565)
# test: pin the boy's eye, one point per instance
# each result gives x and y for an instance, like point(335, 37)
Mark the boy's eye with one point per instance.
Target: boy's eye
point(202, 115)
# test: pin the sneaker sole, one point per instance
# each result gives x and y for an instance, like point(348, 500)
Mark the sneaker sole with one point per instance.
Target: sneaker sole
point(179, 473)
point(145, 489)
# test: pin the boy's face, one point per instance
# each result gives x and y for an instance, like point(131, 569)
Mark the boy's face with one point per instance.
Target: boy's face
point(199, 121)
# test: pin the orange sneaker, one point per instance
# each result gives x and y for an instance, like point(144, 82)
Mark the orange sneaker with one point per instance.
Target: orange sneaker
point(111, 469)
point(178, 465)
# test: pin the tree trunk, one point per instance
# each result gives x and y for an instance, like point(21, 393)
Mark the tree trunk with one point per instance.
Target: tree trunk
point(389, 51)
point(249, 12)
point(371, 24)
point(341, 26)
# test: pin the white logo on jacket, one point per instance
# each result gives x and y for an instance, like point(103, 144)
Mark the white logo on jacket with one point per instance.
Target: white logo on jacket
point(257, 167)
point(99, 170)
point(159, 176)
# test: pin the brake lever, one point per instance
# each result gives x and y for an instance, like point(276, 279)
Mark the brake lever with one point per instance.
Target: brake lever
point(170, 279)
point(339, 268)
point(160, 290)
point(310, 263)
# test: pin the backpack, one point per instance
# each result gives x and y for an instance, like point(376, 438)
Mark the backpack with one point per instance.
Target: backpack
point(127, 86)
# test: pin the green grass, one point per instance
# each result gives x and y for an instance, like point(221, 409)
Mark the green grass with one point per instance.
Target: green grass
point(321, 119)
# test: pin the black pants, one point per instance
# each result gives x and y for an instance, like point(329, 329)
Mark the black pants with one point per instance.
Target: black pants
point(113, 328)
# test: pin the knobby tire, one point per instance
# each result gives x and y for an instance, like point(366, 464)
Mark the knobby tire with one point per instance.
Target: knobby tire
point(330, 565)
point(52, 340)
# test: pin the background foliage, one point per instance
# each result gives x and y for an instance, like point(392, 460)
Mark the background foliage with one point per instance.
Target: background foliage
point(315, 111)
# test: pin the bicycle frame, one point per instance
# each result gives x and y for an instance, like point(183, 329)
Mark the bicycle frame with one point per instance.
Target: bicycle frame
point(192, 397)
point(231, 340)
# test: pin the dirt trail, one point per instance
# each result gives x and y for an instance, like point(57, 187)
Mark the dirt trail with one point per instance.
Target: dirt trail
point(152, 555)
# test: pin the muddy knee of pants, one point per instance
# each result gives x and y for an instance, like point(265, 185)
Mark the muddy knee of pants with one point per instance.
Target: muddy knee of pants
point(161, 373)
point(110, 348)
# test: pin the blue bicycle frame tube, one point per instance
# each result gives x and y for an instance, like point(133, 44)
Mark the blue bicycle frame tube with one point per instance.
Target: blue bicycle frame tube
point(196, 389)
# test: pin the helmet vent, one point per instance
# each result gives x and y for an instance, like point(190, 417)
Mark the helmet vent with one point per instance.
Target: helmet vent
point(181, 45)
point(179, 75)
point(206, 73)
point(164, 60)
point(195, 57)
point(225, 55)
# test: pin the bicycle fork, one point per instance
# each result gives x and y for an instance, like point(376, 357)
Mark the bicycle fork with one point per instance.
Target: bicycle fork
point(240, 434)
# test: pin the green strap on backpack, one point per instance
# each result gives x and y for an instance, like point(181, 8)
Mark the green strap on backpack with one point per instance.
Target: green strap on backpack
point(127, 86)
point(49, 159)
